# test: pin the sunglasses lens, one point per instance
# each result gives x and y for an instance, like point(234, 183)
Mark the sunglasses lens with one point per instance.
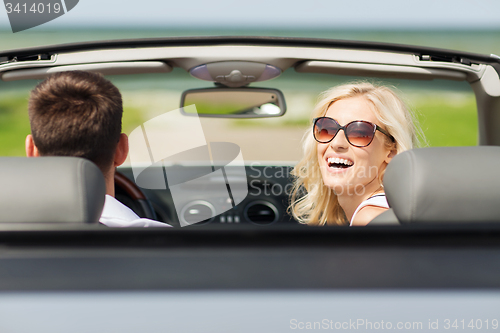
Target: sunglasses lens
point(325, 129)
point(360, 133)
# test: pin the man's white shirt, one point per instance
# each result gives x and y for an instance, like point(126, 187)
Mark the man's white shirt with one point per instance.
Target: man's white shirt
point(116, 214)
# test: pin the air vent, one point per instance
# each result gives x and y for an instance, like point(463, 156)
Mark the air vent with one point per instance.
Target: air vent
point(261, 212)
point(199, 212)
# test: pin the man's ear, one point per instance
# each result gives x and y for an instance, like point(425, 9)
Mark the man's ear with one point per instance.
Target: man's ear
point(121, 151)
point(29, 146)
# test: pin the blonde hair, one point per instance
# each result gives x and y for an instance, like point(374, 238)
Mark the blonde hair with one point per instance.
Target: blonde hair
point(312, 202)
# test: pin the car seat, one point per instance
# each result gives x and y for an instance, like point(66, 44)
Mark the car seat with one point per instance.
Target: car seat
point(443, 185)
point(50, 190)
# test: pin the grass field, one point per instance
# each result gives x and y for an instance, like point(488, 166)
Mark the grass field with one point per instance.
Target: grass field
point(448, 121)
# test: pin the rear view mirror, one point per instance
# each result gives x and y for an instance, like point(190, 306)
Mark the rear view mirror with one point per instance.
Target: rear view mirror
point(234, 102)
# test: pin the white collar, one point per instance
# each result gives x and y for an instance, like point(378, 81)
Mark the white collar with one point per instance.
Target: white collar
point(116, 214)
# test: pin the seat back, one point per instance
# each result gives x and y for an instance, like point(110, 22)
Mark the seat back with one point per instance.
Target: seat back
point(50, 190)
point(386, 218)
point(445, 184)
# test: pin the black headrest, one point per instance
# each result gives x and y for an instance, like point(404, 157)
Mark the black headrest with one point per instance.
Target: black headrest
point(448, 184)
point(50, 189)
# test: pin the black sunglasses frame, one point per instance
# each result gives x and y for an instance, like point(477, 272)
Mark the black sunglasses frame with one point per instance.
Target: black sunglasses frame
point(375, 128)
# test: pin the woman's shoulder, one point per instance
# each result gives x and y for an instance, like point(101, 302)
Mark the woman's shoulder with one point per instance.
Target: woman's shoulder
point(369, 209)
point(366, 214)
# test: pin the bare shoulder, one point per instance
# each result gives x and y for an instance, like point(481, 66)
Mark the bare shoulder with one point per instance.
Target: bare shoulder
point(366, 214)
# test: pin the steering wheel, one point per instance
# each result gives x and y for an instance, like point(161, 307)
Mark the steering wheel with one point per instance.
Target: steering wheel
point(128, 193)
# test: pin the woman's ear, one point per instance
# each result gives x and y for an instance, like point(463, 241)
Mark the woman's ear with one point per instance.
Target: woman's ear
point(29, 146)
point(121, 151)
point(390, 155)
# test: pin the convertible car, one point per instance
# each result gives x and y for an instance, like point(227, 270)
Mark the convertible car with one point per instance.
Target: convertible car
point(215, 127)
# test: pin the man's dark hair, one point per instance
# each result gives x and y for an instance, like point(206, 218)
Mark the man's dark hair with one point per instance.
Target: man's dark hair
point(76, 114)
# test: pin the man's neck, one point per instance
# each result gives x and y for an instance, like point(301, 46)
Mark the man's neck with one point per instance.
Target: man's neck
point(109, 178)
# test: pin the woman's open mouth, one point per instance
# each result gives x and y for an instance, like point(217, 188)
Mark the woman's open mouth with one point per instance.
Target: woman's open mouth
point(339, 163)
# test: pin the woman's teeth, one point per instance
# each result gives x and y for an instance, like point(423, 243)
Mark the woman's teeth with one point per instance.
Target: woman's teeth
point(336, 162)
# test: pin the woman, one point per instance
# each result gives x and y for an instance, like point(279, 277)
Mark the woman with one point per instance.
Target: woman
point(357, 129)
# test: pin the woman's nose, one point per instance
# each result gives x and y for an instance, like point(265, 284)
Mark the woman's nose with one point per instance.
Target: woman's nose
point(339, 142)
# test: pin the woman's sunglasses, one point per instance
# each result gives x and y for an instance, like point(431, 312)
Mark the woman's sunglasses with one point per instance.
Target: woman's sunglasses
point(359, 133)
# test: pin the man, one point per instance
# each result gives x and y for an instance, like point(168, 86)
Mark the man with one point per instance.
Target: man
point(80, 114)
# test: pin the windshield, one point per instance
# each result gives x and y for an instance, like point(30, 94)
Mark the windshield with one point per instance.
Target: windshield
point(446, 111)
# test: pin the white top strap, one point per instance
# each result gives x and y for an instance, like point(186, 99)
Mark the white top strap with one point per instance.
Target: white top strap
point(378, 200)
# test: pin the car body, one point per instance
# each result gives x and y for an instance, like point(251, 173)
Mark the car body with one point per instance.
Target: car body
point(252, 266)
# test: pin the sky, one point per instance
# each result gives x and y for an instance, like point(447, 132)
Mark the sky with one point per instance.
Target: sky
point(297, 14)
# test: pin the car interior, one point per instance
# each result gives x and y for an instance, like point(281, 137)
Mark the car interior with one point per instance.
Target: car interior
point(237, 82)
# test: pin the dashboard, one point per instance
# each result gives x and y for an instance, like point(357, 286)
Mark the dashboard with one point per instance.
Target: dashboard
point(265, 203)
